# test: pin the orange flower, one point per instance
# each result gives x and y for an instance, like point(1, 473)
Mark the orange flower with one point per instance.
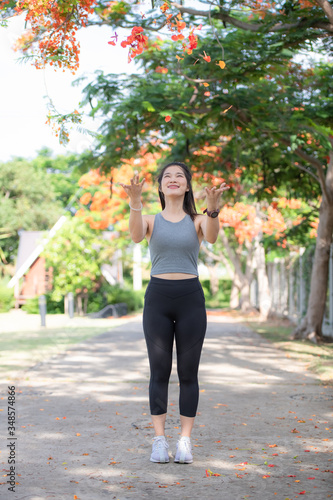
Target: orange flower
point(175, 38)
point(205, 57)
point(161, 69)
point(168, 118)
point(221, 64)
point(85, 198)
point(137, 42)
point(193, 41)
point(164, 7)
point(181, 25)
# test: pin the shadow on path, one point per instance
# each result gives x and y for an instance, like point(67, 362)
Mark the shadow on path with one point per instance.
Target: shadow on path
point(84, 429)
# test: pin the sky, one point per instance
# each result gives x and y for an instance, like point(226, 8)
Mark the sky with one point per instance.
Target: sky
point(23, 107)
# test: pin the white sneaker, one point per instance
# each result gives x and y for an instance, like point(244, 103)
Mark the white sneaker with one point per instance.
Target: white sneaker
point(184, 451)
point(159, 452)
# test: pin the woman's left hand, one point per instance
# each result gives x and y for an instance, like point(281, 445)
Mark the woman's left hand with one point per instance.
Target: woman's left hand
point(213, 195)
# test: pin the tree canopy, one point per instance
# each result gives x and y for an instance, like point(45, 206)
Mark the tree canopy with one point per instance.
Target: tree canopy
point(51, 36)
point(229, 87)
point(34, 194)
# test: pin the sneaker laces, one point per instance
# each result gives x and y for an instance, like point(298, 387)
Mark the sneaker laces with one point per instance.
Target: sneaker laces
point(160, 442)
point(160, 445)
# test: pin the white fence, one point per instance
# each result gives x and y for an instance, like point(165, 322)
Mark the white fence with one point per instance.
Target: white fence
point(289, 281)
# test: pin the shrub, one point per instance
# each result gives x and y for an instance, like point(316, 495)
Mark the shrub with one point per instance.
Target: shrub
point(108, 294)
point(222, 298)
point(133, 299)
point(52, 306)
point(6, 296)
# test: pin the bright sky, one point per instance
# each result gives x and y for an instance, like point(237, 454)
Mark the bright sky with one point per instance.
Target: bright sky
point(23, 108)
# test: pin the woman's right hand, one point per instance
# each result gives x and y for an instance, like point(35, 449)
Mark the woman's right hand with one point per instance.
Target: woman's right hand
point(134, 190)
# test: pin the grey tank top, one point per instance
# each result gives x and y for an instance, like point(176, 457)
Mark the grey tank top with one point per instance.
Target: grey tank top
point(174, 246)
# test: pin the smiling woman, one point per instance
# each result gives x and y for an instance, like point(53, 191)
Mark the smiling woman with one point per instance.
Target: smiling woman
point(175, 180)
point(174, 307)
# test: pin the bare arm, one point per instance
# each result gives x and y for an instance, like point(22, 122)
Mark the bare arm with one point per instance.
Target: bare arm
point(138, 224)
point(210, 227)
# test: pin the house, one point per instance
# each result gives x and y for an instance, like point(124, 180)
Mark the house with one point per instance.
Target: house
point(32, 279)
point(36, 279)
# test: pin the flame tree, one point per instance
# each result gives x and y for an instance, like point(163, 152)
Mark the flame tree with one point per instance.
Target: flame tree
point(226, 72)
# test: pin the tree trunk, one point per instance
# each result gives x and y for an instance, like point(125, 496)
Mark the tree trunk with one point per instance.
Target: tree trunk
point(241, 281)
point(213, 278)
point(79, 305)
point(234, 296)
point(221, 258)
point(265, 298)
point(85, 305)
point(240, 293)
point(245, 303)
point(311, 325)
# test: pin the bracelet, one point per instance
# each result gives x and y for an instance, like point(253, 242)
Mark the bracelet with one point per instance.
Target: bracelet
point(136, 209)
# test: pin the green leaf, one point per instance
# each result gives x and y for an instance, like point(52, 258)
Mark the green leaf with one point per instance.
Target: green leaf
point(287, 52)
point(167, 112)
point(148, 106)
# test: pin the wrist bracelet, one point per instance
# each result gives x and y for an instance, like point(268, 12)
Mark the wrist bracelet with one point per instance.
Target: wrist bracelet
point(136, 209)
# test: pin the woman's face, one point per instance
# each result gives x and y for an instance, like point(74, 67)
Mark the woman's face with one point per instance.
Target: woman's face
point(174, 182)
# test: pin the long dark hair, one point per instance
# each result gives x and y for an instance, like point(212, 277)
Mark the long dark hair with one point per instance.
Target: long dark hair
point(189, 203)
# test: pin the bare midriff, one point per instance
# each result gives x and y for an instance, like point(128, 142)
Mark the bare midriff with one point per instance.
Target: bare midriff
point(174, 276)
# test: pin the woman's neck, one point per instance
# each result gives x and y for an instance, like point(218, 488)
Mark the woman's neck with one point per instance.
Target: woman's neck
point(174, 207)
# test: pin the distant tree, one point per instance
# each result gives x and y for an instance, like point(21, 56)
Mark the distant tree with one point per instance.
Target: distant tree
point(27, 202)
point(63, 172)
point(76, 254)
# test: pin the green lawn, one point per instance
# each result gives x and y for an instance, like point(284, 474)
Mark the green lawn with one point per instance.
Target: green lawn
point(318, 358)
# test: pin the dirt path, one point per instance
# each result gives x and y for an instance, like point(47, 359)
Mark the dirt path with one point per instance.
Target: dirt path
point(84, 431)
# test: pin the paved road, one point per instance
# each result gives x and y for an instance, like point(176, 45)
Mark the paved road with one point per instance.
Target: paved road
point(84, 431)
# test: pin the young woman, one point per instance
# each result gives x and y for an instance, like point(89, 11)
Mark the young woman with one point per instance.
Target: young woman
point(174, 301)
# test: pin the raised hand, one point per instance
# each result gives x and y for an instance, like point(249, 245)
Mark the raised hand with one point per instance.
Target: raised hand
point(134, 190)
point(213, 195)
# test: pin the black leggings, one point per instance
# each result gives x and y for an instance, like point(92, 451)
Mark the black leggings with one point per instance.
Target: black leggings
point(174, 309)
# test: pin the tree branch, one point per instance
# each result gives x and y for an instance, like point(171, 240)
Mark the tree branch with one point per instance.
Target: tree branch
point(329, 174)
point(253, 27)
point(232, 255)
point(327, 8)
point(316, 163)
point(198, 80)
point(212, 255)
point(313, 161)
point(194, 96)
point(308, 172)
point(219, 258)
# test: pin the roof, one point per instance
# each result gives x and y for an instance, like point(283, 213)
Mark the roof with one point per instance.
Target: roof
point(31, 246)
point(29, 241)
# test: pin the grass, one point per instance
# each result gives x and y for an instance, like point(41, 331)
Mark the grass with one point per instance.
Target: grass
point(21, 350)
point(317, 358)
